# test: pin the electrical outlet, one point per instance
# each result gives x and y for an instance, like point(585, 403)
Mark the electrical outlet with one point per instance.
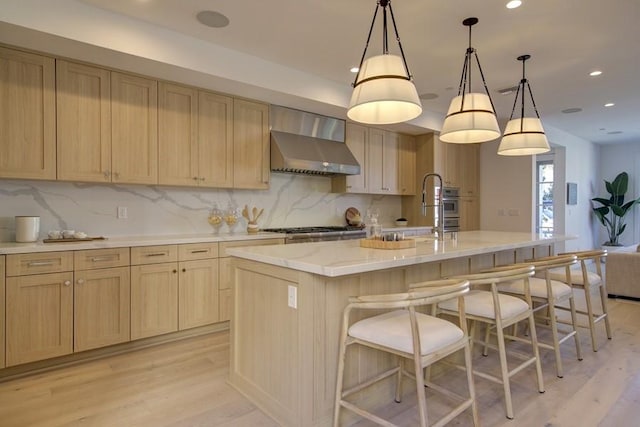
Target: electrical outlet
point(514, 212)
point(122, 212)
point(292, 296)
point(501, 212)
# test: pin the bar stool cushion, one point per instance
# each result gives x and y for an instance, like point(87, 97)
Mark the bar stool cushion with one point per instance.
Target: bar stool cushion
point(393, 330)
point(576, 276)
point(480, 303)
point(537, 286)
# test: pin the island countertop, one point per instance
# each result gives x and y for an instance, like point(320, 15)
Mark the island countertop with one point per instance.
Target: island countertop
point(340, 258)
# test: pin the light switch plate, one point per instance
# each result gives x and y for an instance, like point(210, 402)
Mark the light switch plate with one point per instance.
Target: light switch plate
point(292, 297)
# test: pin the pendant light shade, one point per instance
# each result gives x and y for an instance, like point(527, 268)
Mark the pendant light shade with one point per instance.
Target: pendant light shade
point(471, 117)
point(524, 136)
point(383, 90)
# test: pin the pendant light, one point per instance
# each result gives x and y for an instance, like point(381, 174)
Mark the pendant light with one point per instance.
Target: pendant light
point(523, 136)
point(471, 117)
point(383, 90)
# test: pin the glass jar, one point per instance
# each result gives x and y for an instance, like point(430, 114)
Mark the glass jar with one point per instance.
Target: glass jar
point(231, 217)
point(215, 218)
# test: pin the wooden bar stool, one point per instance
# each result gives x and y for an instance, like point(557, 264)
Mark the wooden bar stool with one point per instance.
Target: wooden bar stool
point(546, 294)
point(585, 280)
point(499, 311)
point(409, 335)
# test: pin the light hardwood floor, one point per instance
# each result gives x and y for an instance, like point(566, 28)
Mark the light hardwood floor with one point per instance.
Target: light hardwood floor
point(183, 384)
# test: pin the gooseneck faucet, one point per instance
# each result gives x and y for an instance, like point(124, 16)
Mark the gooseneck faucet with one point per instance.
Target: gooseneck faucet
point(440, 205)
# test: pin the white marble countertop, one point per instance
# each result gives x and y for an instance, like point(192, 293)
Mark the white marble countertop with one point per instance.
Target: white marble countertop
point(345, 257)
point(7, 248)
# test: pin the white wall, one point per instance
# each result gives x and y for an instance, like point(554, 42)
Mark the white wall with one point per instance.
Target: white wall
point(613, 160)
point(507, 185)
point(292, 200)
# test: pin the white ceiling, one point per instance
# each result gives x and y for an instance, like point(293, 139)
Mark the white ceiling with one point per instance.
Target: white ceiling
point(567, 39)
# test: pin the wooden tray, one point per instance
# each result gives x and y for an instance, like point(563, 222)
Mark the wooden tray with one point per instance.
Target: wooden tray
point(86, 239)
point(380, 244)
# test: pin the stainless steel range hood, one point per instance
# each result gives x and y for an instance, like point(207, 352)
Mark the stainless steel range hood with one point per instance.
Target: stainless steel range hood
point(310, 144)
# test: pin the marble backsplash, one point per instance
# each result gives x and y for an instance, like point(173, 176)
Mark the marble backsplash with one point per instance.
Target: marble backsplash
point(292, 200)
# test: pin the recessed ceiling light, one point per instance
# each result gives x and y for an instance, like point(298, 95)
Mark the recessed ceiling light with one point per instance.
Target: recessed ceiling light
point(609, 104)
point(572, 110)
point(354, 69)
point(212, 19)
point(428, 96)
point(595, 73)
point(513, 4)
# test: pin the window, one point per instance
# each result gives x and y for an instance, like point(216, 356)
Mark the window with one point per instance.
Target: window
point(544, 197)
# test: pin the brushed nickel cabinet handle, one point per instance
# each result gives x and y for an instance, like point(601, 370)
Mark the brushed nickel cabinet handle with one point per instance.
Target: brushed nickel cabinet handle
point(103, 258)
point(67, 282)
point(80, 281)
point(157, 254)
point(201, 178)
point(107, 174)
point(200, 251)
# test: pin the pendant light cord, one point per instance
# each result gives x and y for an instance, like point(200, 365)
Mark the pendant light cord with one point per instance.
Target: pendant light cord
point(522, 84)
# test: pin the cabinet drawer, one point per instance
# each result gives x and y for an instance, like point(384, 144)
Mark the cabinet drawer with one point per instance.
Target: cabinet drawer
point(101, 258)
point(154, 254)
point(41, 262)
point(228, 245)
point(197, 251)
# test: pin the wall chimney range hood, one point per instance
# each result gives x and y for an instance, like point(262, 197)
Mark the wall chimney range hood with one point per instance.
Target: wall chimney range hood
point(309, 144)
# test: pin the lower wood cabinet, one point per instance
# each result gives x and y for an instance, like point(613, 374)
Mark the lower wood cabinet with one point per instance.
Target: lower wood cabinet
point(2, 305)
point(197, 293)
point(39, 318)
point(154, 299)
point(101, 307)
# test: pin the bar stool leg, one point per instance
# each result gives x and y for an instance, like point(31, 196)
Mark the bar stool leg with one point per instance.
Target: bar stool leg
point(398, 398)
point(505, 371)
point(592, 323)
point(471, 386)
point(574, 322)
point(340, 378)
point(421, 394)
point(603, 298)
point(487, 335)
point(556, 339)
point(536, 351)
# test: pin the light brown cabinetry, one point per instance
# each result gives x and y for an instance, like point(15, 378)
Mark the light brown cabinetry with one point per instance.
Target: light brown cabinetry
point(196, 137)
point(101, 298)
point(381, 158)
point(39, 307)
point(197, 285)
point(107, 125)
point(83, 96)
point(134, 129)
point(407, 165)
point(469, 214)
point(250, 145)
point(154, 291)
point(28, 118)
point(226, 277)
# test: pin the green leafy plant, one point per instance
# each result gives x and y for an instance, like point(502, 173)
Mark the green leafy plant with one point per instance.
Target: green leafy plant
point(613, 210)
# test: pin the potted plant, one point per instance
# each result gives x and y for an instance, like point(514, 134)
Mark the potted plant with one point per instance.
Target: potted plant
point(613, 210)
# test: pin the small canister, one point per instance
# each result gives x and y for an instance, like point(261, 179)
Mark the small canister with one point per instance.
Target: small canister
point(27, 228)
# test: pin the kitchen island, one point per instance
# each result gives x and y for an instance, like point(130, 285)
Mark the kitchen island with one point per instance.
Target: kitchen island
point(288, 302)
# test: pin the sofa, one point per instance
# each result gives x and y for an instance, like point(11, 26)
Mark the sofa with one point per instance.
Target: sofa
point(623, 272)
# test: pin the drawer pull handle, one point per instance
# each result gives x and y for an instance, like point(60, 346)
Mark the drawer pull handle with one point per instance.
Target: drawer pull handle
point(157, 254)
point(39, 263)
point(184, 270)
point(67, 282)
point(103, 258)
point(200, 251)
point(80, 281)
point(175, 271)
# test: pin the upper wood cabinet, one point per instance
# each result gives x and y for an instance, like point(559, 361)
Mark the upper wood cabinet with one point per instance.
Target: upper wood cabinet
point(107, 125)
point(407, 165)
point(459, 166)
point(83, 122)
point(134, 129)
point(196, 137)
point(27, 116)
point(379, 154)
point(250, 145)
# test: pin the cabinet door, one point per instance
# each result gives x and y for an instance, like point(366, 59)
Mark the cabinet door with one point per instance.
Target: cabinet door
point(469, 214)
point(154, 299)
point(178, 134)
point(357, 139)
point(101, 307)
point(134, 129)
point(250, 145)
point(39, 317)
point(470, 161)
point(390, 164)
point(2, 309)
point(27, 116)
point(407, 165)
point(375, 162)
point(215, 140)
point(197, 293)
point(83, 97)
point(452, 165)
